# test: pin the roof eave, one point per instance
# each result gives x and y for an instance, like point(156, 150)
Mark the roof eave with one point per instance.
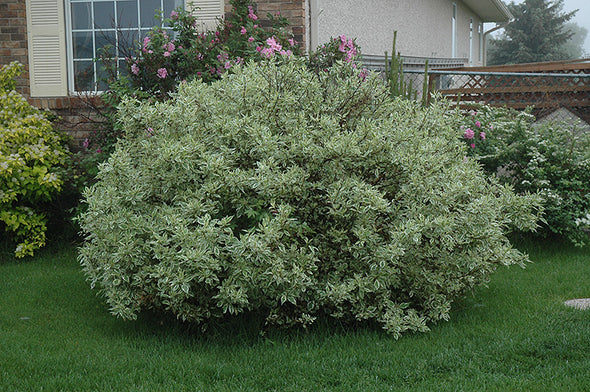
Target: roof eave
point(490, 10)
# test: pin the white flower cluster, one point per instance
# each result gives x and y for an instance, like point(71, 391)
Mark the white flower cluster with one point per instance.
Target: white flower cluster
point(584, 221)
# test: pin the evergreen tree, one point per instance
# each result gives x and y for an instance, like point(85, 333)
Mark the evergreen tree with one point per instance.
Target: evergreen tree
point(574, 48)
point(538, 33)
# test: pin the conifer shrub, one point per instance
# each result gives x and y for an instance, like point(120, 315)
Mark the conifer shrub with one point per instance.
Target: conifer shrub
point(30, 154)
point(298, 195)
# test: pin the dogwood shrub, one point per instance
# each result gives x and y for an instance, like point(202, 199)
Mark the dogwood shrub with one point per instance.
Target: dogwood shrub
point(30, 152)
point(282, 191)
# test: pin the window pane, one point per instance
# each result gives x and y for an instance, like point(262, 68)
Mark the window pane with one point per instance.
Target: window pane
point(144, 33)
point(104, 15)
point(127, 42)
point(83, 75)
point(81, 16)
point(127, 13)
point(105, 40)
point(103, 75)
point(170, 5)
point(82, 45)
point(123, 71)
point(148, 9)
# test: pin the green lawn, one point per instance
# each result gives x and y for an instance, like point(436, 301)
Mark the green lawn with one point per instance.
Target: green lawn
point(56, 334)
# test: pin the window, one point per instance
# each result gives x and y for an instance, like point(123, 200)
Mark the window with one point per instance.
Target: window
point(64, 36)
point(95, 25)
point(454, 32)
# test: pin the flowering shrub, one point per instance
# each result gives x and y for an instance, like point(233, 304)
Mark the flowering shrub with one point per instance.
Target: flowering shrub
point(164, 60)
point(30, 151)
point(337, 49)
point(552, 159)
point(474, 131)
point(275, 191)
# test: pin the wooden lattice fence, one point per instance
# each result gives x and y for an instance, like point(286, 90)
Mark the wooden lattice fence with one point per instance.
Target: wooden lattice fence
point(546, 87)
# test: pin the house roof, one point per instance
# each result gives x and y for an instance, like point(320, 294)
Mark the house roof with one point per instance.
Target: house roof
point(490, 10)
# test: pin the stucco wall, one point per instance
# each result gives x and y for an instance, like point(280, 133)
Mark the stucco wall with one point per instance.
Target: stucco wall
point(424, 26)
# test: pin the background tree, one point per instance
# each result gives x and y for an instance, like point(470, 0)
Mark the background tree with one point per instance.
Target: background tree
point(538, 33)
point(574, 48)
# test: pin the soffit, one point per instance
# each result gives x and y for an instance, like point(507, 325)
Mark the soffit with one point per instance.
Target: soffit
point(490, 10)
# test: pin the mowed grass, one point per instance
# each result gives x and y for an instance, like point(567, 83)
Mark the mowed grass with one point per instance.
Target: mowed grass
point(515, 335)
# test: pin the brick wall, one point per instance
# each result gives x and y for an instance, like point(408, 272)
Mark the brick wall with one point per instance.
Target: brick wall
point(13, 39)
point(77, 116)
point(294, 11)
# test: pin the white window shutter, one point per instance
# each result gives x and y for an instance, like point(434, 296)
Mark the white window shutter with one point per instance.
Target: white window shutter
point(207, 13)
point(47, 48)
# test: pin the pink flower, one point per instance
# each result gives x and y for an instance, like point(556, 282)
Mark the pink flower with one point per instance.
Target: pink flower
point(227, 65)
point(243, 30)
point(85, 143)
point(482, 135)
point(342, 46)
point(174, 15)
point(267, 52)
point(469, 134)
point(162, 73)
point(259, 48)
point(251, 39)
point(170, 47)
point(150, 131)
point(251, 13)
point(222, 57)
point(166, 54)
point(478, 124)
point(135, 69)
point(292, 42)
point(363, 74)
point(99, 150)
point(472, 145)
point(274, 45)
point(255, 26)
point(350, 45)
point(146, 41)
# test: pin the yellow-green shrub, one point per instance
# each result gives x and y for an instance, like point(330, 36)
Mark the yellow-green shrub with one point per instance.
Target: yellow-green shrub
point(29, 151)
